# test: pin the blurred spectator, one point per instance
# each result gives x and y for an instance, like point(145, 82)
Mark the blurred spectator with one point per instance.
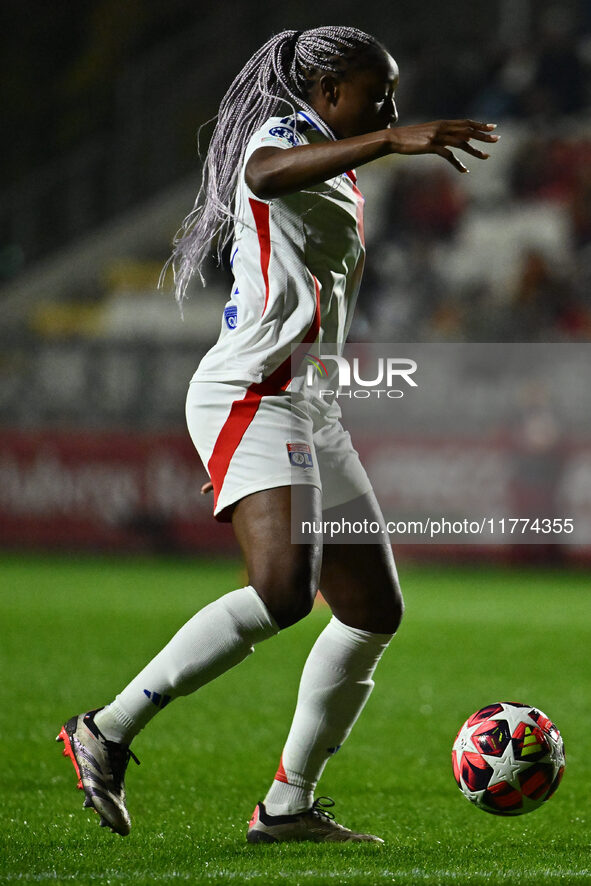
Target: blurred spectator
point(550, 168)
point(561, 171)
point(545, 303)
point(427, 205)
point(580, 207)
point(510, 73)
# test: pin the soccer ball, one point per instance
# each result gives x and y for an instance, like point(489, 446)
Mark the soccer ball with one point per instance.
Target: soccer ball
point(508, 758)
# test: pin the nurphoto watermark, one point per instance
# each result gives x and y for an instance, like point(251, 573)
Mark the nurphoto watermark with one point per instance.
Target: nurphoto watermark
point(352, 381)
point(445, 444)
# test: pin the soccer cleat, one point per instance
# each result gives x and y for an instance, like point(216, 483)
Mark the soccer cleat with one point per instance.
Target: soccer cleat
point(100, 766)
point(316, 825)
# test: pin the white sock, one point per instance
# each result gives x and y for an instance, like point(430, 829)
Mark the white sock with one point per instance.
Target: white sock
point(336, 682)
point(218, 637)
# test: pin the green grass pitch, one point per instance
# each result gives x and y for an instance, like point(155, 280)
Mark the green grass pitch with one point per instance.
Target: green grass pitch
point(74, 630)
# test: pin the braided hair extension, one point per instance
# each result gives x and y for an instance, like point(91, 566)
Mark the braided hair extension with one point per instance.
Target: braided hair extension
point(281, 72)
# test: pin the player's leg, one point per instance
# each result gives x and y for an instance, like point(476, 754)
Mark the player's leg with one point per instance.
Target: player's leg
point(360, 580)
point(360, 583)
point(215, 639)
point(285, 575)
point(250, 453)
point(283, 580)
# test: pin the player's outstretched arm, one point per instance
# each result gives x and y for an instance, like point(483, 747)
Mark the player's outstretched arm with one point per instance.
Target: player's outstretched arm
point(274, 172)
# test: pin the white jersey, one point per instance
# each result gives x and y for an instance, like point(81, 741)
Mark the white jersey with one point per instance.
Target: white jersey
point(297, 263)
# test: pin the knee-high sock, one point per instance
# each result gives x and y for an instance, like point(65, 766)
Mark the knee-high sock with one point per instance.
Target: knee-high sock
point(218, 637)
point(335, 685)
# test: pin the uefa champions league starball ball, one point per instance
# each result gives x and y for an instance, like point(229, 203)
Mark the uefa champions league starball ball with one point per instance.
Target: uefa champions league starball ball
point(508, 758)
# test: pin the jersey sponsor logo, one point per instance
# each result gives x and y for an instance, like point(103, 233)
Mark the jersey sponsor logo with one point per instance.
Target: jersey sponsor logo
point(300, 455)
point(284, 132)
point(231, 316)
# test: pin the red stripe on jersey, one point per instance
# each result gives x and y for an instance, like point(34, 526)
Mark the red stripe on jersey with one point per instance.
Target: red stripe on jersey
point(260, 212)
point(243, 411)
point(360, 204)
point(234, 428)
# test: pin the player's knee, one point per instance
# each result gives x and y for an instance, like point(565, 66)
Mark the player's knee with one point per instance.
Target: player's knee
point(289, 598)
point(290, 611)
point(392, 608)
point(397, 608)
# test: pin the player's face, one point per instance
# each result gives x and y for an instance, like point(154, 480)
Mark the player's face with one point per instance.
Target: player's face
point(364, 101)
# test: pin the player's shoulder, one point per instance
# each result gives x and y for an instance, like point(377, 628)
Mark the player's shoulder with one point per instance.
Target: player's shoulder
point(288, 131)
point(294, 127)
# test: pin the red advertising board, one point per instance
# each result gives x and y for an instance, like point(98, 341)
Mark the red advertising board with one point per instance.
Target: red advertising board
point(105, 490)
point(74, 490)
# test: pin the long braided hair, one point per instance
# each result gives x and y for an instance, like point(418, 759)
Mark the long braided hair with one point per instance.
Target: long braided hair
point(281, 72)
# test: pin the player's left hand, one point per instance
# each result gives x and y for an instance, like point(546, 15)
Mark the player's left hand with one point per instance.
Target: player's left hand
point(207, 487)
point(439, 136)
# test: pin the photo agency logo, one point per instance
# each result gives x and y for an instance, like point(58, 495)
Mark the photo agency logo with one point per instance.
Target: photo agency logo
point(379, 377)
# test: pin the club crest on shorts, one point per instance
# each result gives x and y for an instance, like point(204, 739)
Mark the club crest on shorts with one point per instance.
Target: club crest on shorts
point(231, 316)
point(300, 455)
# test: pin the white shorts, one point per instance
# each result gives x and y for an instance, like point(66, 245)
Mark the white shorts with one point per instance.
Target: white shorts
point(250, 441)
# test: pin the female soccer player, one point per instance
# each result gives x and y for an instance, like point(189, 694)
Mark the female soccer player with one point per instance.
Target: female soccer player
point(282, 189)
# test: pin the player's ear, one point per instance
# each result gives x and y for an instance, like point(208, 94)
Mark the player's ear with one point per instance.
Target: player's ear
point(329, 88)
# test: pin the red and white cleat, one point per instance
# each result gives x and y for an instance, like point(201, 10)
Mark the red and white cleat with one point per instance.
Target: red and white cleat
point(317, 825)
point(100, 767)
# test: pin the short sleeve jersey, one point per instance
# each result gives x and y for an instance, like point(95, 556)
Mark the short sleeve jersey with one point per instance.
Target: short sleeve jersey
point(297, 263)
